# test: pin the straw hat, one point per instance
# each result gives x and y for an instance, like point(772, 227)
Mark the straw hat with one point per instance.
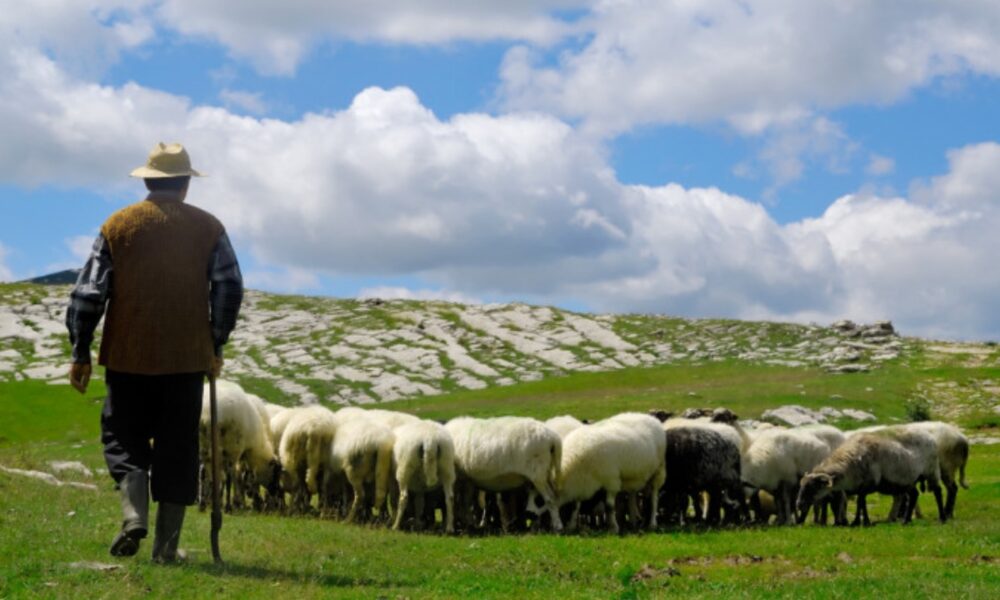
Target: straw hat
point(166, 160)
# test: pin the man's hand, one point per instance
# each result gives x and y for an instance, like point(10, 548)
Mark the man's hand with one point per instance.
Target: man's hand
point(217, 363)
point(79, 376)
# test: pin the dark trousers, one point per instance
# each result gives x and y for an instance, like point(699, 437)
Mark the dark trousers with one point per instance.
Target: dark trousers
point(150, 423)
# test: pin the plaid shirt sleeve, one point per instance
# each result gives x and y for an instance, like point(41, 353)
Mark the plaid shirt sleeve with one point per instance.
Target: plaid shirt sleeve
point(88, 300)
point(226, 291)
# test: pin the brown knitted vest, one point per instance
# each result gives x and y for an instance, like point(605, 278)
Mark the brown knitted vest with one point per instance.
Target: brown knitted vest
point(157, 320)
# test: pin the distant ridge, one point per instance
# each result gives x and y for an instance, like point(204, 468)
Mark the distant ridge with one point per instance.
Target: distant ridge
point(60, 278)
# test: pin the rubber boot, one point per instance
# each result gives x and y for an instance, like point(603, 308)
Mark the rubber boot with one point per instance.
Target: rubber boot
point(169, 520)
point(134, 488)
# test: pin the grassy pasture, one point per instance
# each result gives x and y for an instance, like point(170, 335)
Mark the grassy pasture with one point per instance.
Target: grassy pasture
point(44, 529)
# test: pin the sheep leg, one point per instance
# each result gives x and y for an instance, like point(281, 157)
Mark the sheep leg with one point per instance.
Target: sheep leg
point(634, 520)
point(549, 495)
point(942, 511)
point(654, 495)
point(758, 510)
point(781, 502)
point(858, 510)
point(820, 512)
point(449, 509)
point(898, 507)
point(404, 498)
point(609, 504)
point(574, 519)
point(952, 488)
point(714, 514)
point(909, 500)
point(505, 515)
point(358, 484)
point(840, 508)
point(695, 506)
point(484, 508)
point(737, 505)
point(418, 509)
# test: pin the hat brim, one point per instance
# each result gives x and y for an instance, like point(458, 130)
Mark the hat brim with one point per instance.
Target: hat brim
point(145, 172)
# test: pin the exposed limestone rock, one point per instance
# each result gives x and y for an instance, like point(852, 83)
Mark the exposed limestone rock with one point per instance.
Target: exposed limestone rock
point(858, 415)
point(793, 415)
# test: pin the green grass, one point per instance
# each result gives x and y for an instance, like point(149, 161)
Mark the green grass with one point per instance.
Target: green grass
point(747, 389)
point(45, 528)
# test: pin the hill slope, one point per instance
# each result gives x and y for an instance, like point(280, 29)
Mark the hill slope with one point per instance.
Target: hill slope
point(305, 349)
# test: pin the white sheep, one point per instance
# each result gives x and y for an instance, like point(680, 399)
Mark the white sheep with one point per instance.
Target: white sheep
point(304, 452)
point(390, 418)
point(829, 434)
point(624, 453)
point(505, 453)
point(775, 462)
point(833, 438)
point(953, 454)
point(423, 460)
point(259, 405)
point(243, 443)
point(884, 462)
point(563, 424)
point(273, 410)
point(924, 447)
point(362, 451)
point(277, 424)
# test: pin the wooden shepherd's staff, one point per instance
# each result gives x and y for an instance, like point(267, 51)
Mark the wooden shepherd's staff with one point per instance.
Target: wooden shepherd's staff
point(216, 472)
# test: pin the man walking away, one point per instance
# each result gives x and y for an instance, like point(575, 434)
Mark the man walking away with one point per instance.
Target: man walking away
point(170, 281)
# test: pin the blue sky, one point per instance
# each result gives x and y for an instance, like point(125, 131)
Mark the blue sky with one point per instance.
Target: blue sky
point(758, 160)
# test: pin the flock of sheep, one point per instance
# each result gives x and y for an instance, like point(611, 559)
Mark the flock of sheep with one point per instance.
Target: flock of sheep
point(630, 470)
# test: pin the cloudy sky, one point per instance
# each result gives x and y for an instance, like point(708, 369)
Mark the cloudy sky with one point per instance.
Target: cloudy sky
point(763, 159)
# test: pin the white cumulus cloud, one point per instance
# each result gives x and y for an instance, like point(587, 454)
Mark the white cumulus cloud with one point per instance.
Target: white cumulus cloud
point(5, 273)
point(518, 205)
point(251, 102)
point(754, 64)
point(404, 293)
point(276, 36)
point(84, 35)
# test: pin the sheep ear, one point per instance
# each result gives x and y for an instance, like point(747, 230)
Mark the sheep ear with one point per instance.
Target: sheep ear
point(829, 481)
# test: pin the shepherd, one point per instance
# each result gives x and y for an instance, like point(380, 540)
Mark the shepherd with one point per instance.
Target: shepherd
point(169, 279)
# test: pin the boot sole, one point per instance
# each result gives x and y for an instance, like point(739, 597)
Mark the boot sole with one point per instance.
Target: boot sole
point(127, 543)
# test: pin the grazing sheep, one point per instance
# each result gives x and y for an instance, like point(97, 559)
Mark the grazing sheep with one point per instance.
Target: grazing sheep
point(504, 453)
point(563, 424)
point(953, 454)
point(729, 428)
point(390, 418)
point(278, 423)
point(924, 446)
point(362, 451)
point(700, 459)
point(243, 444)
point(259, 405)
point(305, 451)
point(833, 438)
point(625, 453)
point(829, 434)
point(867, 463)
point(424, 460)
point(273, 410)
point(775, 462)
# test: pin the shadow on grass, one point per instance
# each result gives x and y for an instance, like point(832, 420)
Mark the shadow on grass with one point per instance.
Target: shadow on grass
point(271, 574)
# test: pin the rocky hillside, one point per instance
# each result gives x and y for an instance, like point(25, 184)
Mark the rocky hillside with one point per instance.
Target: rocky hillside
point(359, 352)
